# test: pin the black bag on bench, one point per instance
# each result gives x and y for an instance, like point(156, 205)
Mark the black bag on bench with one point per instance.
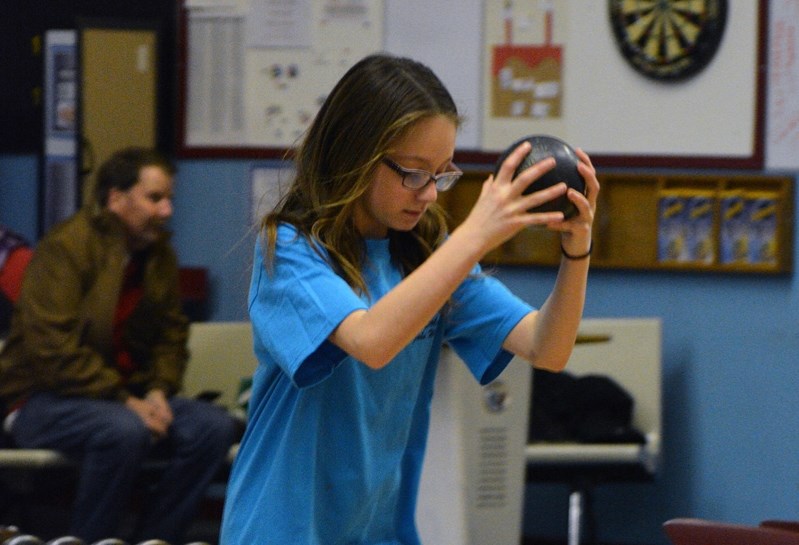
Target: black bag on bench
point(585, 409)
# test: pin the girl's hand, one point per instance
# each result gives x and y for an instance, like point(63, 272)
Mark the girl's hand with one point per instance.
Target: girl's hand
point(576, 231)
point(502, 210)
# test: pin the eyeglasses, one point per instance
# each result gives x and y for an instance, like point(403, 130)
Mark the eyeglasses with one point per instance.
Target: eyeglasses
point(417, 180)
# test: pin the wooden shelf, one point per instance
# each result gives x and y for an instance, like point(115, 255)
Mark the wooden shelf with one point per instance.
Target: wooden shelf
point(631, 228)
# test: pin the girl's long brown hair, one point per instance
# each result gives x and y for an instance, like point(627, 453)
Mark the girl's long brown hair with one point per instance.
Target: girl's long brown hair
point(369, 109)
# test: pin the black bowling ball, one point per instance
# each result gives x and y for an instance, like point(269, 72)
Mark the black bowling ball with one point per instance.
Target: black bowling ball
point(565, 170)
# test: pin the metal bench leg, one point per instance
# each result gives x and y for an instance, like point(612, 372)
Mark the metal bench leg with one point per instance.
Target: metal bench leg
point(582, 524)
point(576, 506)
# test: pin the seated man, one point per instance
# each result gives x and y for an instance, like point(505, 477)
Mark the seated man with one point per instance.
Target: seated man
point(97, 351)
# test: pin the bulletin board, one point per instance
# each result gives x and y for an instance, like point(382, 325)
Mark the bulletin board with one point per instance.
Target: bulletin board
point(242, 58)
point(782, 126)
point(257, 71)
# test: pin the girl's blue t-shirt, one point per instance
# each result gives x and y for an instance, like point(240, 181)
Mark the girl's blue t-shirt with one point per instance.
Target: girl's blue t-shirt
point(333, 449)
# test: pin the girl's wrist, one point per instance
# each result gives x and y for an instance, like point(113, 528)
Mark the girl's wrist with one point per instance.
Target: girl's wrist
point(577, 256)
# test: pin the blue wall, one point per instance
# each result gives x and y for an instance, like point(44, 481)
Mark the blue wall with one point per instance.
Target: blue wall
point(19, 194)
point(730, 345)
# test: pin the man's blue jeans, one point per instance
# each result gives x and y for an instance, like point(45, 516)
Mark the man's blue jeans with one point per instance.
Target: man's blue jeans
point(110, 442)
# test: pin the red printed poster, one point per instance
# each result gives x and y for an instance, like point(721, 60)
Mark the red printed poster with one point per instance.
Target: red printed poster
point(524, 55)
point(526, 78)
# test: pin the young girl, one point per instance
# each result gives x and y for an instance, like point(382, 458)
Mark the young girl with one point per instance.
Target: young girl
point(356, 284)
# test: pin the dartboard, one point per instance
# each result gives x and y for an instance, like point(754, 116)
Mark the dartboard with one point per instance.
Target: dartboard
point(668, 39)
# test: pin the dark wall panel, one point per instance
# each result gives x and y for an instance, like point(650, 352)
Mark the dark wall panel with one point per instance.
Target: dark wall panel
point(22, 27)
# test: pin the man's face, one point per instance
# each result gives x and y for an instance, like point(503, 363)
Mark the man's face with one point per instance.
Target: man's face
point(145, 208)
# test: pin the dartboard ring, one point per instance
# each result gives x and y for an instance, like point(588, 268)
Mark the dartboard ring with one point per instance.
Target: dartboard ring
point(668, 39)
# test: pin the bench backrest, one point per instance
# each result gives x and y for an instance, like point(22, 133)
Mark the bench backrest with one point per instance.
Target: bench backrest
point(220, 356)
point(629, 351)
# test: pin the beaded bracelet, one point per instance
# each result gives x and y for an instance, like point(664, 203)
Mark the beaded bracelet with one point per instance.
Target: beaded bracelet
point(576, 257)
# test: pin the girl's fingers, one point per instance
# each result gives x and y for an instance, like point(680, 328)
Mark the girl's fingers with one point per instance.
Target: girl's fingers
point(512, 162)
point(526, 179)
point(537, 198)
point(584, 157)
